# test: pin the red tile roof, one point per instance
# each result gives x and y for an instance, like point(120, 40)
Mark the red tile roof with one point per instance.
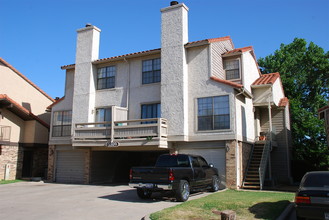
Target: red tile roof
point(239, 50)
point(21, 111)
point(284, 102)
point(235, 85)
point(55, 103)
point(146, 52)
point(266, 79)
point(25, 78)
point(208, 41)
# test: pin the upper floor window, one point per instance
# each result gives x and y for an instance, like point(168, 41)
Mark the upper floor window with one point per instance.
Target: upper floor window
point(151, 72)
point(213, 113)
point(62, 121)
point(106, 77)
point(232, 69)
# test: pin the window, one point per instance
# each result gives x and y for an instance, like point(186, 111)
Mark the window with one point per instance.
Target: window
point(62, 123)
point(151, 72)
point(151, 111)
point(203, 162)
point(104, 115)
point(213, 113)
point(232, 69)
point(195, 162)
point(106, 77)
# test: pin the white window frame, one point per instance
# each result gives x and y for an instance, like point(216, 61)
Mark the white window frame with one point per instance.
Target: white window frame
point(240, 72)
point(213, 130)
point(62, 125)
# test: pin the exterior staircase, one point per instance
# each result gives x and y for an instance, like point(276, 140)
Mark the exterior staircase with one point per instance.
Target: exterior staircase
point(252, 178)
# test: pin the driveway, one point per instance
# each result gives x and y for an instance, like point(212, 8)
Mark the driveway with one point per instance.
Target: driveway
point(38, 200)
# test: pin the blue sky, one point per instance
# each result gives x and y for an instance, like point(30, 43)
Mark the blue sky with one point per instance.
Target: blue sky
point(39, 36)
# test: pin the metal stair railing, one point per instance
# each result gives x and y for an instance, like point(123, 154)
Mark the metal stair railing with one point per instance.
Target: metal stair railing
point(264, 160)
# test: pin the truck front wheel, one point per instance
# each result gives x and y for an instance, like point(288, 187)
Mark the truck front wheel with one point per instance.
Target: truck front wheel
point(215, 184)
point(183, 191)
point(143, 193)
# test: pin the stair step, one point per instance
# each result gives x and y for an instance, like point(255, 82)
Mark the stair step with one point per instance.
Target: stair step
point(251, 184)
point(252, 175)
point(252, 179)
point(251, 187)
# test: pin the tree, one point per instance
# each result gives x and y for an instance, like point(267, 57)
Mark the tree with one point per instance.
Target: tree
point(304, 71)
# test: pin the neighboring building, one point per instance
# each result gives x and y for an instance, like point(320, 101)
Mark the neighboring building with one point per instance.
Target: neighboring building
point(204, 97)
point(324, 114)
point(24, 126)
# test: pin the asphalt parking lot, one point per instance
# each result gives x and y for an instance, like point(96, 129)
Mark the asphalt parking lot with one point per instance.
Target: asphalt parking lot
point(38, 200)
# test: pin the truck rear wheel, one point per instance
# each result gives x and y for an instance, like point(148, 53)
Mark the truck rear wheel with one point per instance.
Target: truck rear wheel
point(183, 191)
point(144, 193)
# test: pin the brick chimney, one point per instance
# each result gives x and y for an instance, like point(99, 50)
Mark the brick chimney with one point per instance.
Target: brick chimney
point(174, 77)
point(87, 50)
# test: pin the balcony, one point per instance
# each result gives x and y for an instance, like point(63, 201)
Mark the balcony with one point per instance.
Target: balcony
point(141, 132)
point(5, 133)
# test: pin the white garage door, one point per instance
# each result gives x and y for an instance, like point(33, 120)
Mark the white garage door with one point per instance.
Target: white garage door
point(70, 167)
point(214, 156)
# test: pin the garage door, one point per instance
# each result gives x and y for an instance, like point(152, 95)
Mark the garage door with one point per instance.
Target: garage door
point(114, 166)
point(214, 156)
point(70, 167)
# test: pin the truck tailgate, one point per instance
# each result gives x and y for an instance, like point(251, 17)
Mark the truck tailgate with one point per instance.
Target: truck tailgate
point(150, 174)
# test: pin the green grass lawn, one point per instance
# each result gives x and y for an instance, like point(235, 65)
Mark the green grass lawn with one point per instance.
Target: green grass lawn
point(9, 181)
point(246, 204)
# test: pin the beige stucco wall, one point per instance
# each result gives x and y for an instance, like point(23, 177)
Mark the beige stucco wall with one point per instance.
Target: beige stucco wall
point(250, 71)
point(199, 86)
point(23, 92)
point(17, 125)
point(28, 96)
point(277, 92)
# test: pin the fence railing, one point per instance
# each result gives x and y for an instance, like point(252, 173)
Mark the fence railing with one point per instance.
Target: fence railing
point(264, 160)
point(118, 130)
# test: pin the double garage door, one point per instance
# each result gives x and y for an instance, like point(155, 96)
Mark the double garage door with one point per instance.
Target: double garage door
point(105, 166)
point(215, 156)
point(70, 166)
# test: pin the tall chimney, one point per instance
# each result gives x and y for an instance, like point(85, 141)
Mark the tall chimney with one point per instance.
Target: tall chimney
point(174, 77)
point(87, 50)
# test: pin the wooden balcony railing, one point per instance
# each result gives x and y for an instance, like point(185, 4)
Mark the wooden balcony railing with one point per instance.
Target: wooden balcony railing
point(5, 133)
point(120, 132)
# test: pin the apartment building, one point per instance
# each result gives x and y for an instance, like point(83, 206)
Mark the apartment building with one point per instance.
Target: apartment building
point(24, 126)
point(204, 97)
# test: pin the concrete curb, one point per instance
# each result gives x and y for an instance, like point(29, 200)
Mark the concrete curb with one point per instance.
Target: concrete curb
point(286, 212)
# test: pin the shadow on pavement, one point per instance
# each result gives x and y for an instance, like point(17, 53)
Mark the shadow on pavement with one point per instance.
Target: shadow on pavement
point(131, 196)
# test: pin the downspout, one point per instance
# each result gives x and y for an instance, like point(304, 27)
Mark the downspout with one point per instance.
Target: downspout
point(270, 130)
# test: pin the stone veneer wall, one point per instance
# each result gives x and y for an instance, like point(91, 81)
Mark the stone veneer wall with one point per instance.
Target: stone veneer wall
point(12, 155)
point(87, 166)
point(51, 161)
point(245, 150)
point(231, 165)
